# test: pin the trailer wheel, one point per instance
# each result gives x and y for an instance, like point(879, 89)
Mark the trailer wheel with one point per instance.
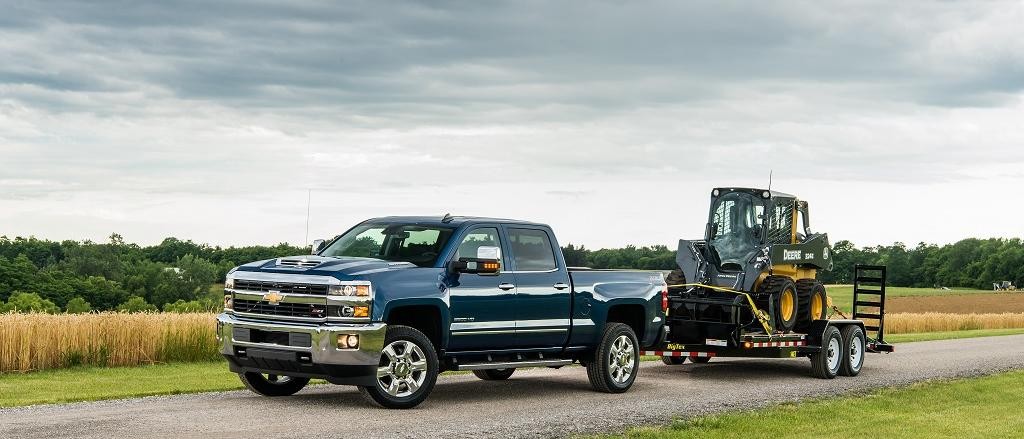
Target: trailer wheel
point(853, 344)
point(827, 362)
point(699, 360)
point(494, 374)
point(616, 361)
point(673, 361)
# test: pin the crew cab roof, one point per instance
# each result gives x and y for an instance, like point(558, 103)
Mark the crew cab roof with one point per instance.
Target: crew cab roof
point(454, 221)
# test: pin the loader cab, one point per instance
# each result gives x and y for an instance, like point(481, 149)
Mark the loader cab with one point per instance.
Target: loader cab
point(743, 221)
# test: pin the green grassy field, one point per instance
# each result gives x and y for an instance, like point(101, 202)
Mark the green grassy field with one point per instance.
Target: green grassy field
point(842, 295)
point(970, 408)
point(96, 383)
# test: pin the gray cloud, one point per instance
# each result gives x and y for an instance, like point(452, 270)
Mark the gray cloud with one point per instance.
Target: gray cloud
point(392, 105)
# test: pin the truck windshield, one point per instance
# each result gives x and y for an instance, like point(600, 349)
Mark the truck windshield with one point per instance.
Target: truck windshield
point(413, 243)
point(735, 227)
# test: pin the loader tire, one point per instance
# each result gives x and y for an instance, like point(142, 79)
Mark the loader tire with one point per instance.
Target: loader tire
point(813, 303)
point(779, 296)
point(676, 277)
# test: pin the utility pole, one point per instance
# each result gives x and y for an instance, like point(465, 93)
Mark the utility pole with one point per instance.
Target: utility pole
point(309, 197)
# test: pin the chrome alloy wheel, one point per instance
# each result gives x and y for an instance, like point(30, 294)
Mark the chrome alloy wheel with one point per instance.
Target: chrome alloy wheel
point(402, 368)
point(856, 352)
point(834, 354)
point(621, 360)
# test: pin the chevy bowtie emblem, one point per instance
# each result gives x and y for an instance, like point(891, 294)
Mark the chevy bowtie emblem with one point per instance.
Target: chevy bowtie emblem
point(273, 297)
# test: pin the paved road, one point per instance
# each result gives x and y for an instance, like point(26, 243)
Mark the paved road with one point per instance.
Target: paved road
point(534, 403)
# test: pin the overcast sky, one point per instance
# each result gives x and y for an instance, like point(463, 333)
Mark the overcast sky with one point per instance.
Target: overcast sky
point(611, 121)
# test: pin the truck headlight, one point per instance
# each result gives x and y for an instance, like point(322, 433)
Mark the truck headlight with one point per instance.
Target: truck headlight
point(351, 290)
point(229, 282)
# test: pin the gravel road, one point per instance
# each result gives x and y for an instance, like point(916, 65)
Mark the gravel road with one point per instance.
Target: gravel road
point(533, 403)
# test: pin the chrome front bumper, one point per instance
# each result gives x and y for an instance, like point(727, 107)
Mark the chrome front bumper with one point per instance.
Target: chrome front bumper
point(323, 349)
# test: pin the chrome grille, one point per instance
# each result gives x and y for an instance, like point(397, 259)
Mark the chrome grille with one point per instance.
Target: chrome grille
point(281, 287)
point(285, 309)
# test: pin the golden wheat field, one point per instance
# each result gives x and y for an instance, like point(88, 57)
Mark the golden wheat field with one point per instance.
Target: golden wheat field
point(899, 323)
point(47, 341)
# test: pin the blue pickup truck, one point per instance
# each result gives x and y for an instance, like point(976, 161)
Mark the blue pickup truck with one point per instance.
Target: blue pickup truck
point(393, 302)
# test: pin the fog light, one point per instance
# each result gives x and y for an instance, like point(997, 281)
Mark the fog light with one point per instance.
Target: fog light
point(361, 311)
point(348, 341)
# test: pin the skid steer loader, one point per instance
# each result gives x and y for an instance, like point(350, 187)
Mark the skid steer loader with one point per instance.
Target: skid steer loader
point(755, 268)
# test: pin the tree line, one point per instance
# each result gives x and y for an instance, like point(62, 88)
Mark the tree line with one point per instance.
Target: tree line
point(73, 276)
point(177, 275)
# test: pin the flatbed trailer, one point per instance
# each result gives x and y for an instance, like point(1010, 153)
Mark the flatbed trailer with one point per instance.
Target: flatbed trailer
point(834, 346)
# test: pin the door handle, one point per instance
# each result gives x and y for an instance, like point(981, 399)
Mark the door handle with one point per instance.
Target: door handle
point(561, 286)
point(506, 286)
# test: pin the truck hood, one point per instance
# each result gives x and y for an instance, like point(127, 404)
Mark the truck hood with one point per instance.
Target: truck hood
point(339, 267)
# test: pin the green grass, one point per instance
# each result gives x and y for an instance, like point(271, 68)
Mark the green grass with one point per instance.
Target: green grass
point(969, 408)
point(949, 335)
point(96, 383)
point(842, 295)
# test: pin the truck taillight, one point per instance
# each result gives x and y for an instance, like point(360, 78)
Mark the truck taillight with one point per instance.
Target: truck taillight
point(664, 299)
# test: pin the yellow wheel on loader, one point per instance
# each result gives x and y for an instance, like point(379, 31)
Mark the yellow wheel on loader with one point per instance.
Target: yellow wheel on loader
point(779, 297)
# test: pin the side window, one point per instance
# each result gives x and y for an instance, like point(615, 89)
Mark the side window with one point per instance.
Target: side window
point(532, 250)
point(482, 237)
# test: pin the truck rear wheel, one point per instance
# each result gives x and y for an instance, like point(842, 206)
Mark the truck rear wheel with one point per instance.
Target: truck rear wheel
point(827, 362)
point(673, 361)
point(407, 370)
point(494, 374)
point(616, 360)
point(272, 385)
point(853, 344)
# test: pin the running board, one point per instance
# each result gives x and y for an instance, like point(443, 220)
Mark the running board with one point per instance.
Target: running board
point(512, 364)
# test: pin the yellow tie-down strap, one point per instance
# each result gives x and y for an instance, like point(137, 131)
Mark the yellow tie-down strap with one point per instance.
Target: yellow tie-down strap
point(762, 316)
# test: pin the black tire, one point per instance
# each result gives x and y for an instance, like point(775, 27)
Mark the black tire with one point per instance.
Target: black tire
point(272, 385)
point(673, 361)
point(494, 374)
point(700, 360)
point(826, 363)
point(854, 344)
point(616, 361)
point(813, 303)
point(404, 338)
point(675, 277)
point(774, 291)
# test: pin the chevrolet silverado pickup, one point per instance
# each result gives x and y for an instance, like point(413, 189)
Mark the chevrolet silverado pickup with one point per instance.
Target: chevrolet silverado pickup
point(393, 302)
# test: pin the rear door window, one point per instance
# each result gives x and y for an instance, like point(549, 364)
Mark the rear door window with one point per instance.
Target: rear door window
point(531, 249)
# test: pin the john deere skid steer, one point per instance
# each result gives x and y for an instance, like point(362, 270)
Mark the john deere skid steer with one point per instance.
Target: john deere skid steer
point(754, 270)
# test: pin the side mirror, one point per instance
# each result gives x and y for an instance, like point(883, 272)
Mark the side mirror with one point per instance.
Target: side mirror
point(318, 244)
point(488, 261)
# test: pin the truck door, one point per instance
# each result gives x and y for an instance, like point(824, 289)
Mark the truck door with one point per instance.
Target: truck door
point(481, 306)
point(543, 299)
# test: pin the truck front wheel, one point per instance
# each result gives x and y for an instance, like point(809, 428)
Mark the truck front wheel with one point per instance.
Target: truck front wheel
point(272, 385)
point(407, 370)
point(616, 360)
